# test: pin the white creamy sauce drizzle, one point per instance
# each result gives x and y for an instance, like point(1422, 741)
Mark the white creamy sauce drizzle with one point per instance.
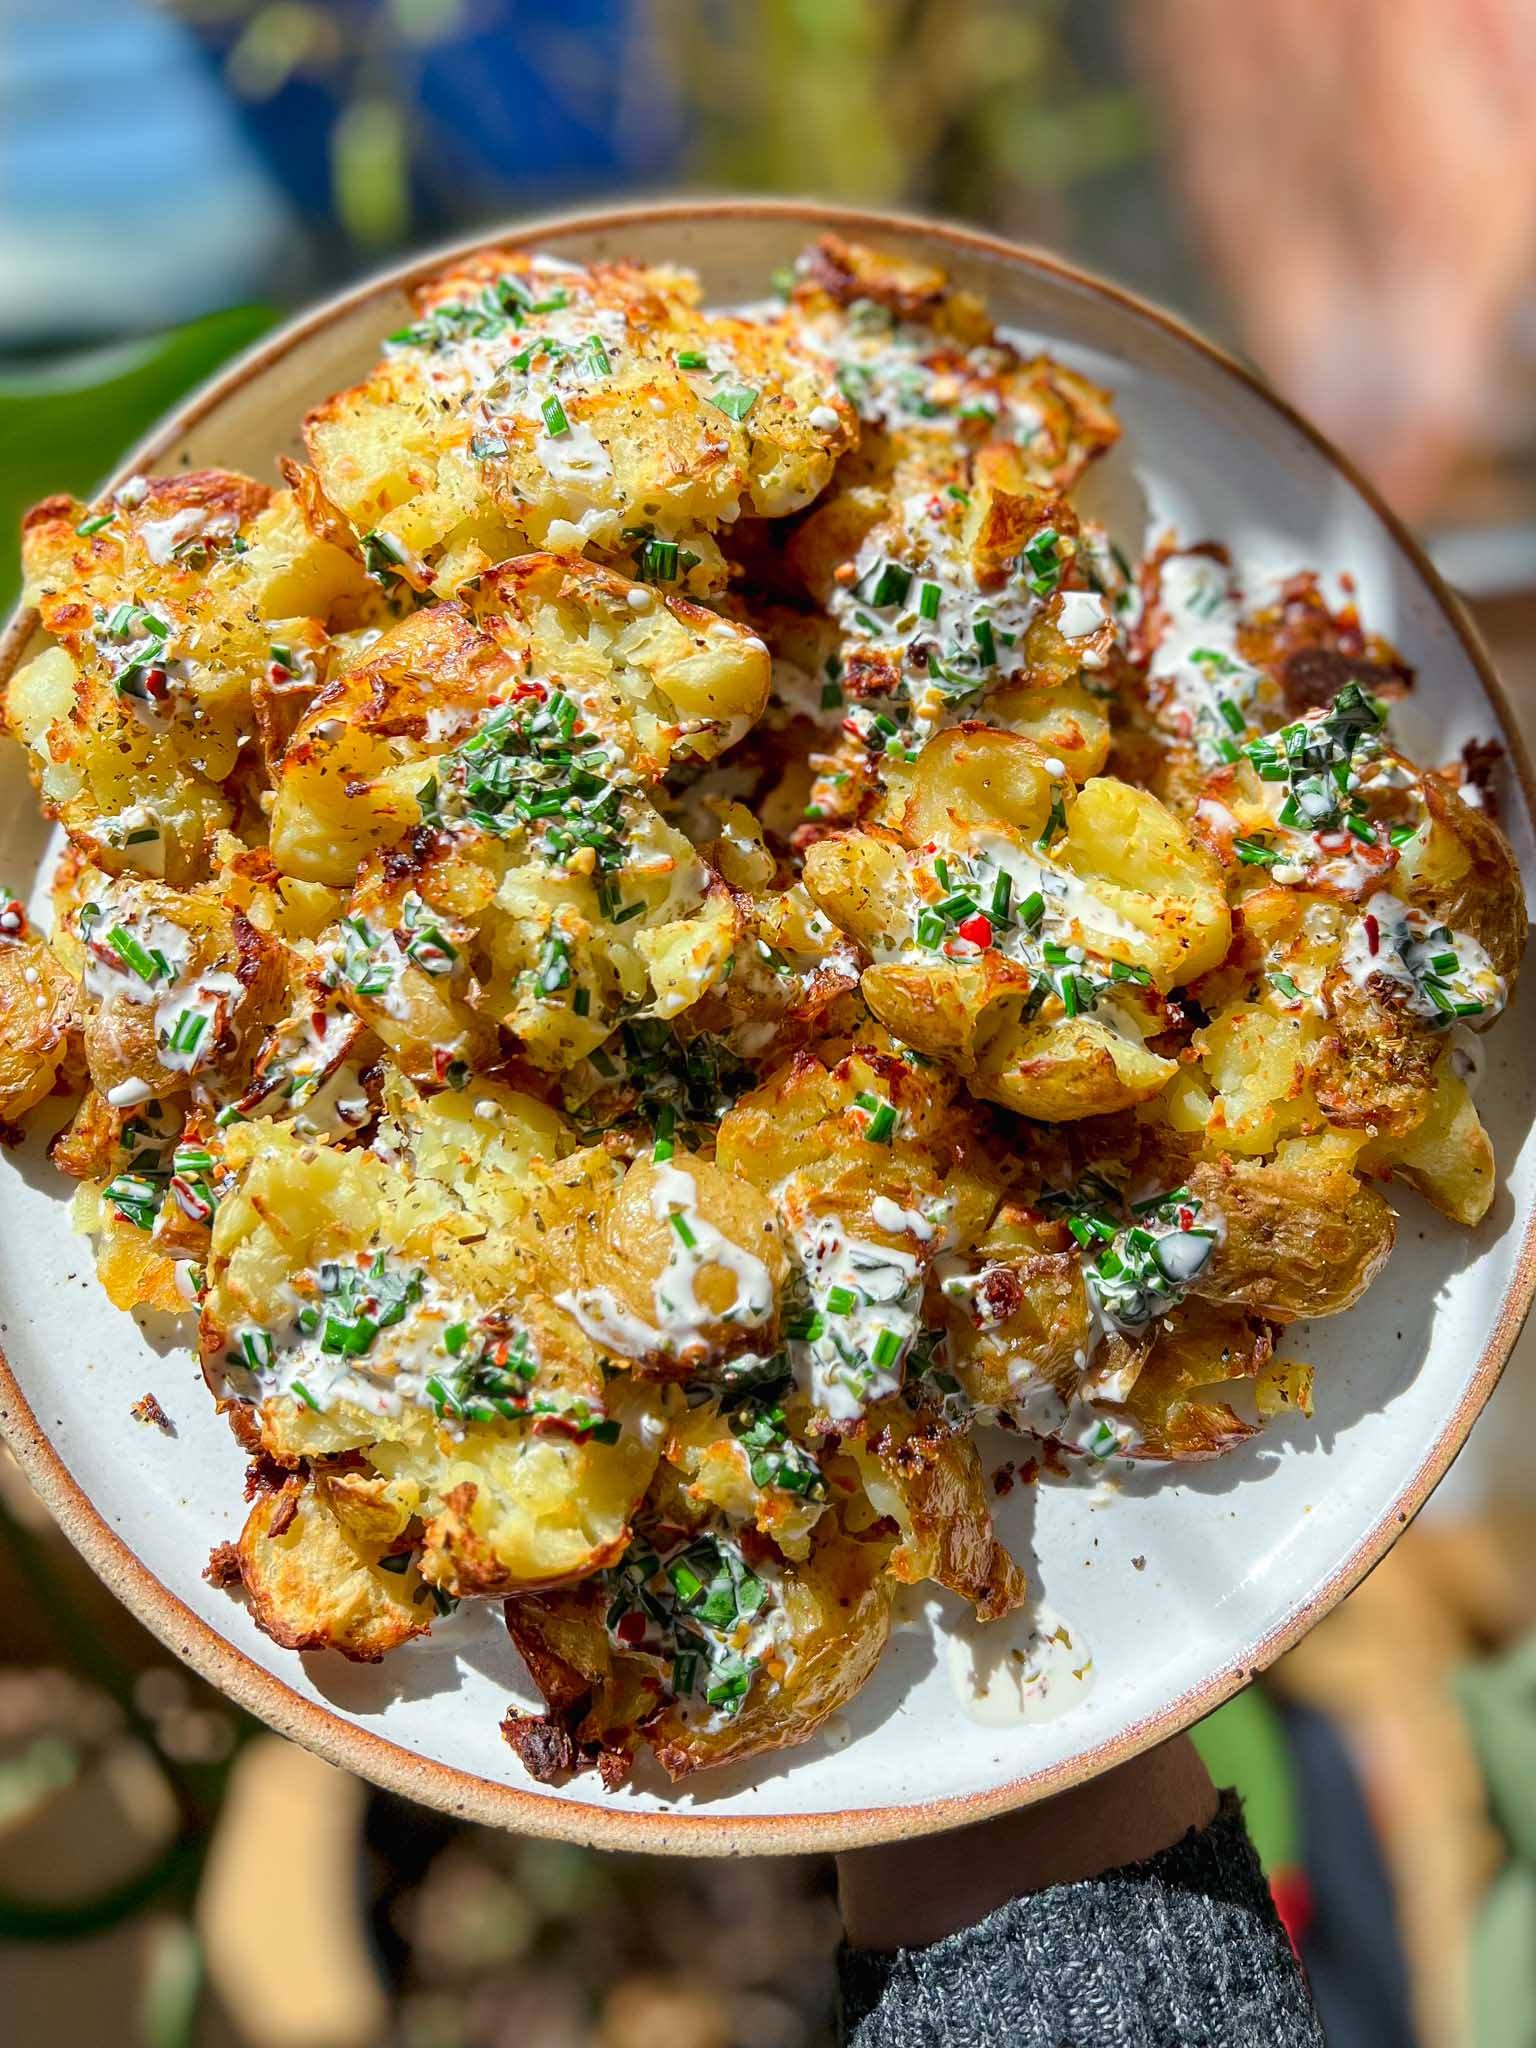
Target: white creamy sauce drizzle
point(1393, 942)
point(162, 537)
point(1082, 615)
point(698, 1246)
point(1073, 909)
point(883, 370)
point(682, 1324)
point(1073, 918)
point(308, 1053)
point(1028, 1667)
point(145, 669)
point(1076, 1423)
point(575, 457)
point(924, 542)
point(138, 836)
point(191, 1005)
point(1218, 699)
point(865, 1303)
point(388, 1378)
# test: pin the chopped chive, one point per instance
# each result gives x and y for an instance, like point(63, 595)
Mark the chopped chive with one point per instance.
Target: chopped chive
point(666, 1123)
point(657, 561)
point(928, 600)
point(887, 1349)
point(734, 400)
point(986, 645)
point(890, 585)
point(554, 416)
point(684, 1230)
point(691, 359)
point(187, 1030)
point(89, 526)
point(298, 1387)
point(132, 954)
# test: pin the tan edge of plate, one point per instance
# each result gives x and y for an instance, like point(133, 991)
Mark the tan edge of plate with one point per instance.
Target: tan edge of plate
point(611, 1827)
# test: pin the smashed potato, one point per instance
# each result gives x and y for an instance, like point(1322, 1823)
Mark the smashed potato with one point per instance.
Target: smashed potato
point(672, 935)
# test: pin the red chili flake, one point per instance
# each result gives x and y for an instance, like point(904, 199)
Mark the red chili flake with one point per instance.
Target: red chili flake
point(442, 1060)
point(977, 928)
point(156, 683)
point(1186, 1218)
point(1372, 934)
point(525, 690)
point(631, 1627)
point(192, 1203)
point(13, 918)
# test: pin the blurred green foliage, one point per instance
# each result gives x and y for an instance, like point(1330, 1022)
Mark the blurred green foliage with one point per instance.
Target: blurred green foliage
point(64, 425)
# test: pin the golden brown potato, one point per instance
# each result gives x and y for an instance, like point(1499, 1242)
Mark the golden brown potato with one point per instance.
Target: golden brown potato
point(176, 985)
point(1300, 1235)
point(683, 1266)
point(166, 612)
point(1077, 911)
point(914, 329)
point(1176, 1407)
point(521, 1460)
point(313, 1571)
point(1446, 1156)
point(747, 1459)
point(542, 404)
point(832, 1617)
point(1016, 1310)
point(1462, 870)
point(928, 1479)
point(1374, 1070)
point(39, 1014)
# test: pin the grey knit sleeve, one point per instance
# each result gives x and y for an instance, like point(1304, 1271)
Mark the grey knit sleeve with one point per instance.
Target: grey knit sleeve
point(1182, 1951)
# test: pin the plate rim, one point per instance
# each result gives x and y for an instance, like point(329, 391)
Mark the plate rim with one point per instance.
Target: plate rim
point(584, 1821)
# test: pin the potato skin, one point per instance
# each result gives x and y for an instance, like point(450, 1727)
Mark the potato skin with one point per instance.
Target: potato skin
point(314, 1584)
point(39, 1023)
point(1175, 1404)
point(838, 1604)
point(1295, 1241)
point(1447, 1156)
point(1466, 876)
point(929, 1477)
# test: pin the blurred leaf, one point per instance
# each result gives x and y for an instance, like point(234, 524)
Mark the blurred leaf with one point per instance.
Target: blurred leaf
point(1243, 1744)
point(63, 427)
point(46, 1765)
point(370, 172)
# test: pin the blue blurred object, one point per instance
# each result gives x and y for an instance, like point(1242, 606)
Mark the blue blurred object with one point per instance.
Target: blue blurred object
point(129, 196)
point(498, 103)
point(152, 171)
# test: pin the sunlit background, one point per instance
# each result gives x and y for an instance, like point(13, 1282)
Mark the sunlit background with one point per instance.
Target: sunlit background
point(1346, 196)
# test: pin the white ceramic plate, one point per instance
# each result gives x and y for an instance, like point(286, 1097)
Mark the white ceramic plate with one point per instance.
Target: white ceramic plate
point(1181, 1583)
